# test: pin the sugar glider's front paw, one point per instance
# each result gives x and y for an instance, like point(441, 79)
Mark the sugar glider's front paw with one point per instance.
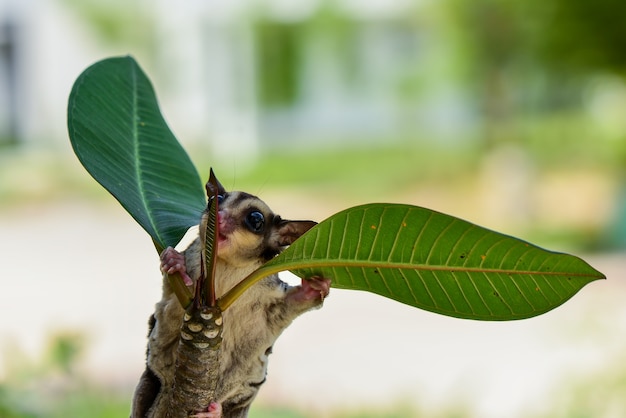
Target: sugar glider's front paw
point(174, 262)
point(213, 411)
point(311, 289)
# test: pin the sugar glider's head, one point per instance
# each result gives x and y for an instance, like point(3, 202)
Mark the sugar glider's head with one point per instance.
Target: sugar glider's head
point(249, 232)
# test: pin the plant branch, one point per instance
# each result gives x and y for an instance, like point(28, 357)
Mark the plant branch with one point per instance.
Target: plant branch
point(209, 231)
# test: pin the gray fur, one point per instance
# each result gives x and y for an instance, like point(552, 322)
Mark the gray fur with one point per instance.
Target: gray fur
point(251, 324)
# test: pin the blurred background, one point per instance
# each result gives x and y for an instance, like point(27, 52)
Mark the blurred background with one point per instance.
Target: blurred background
point(510, 114)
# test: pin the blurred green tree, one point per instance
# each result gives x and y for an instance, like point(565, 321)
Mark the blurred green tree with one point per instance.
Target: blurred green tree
point(533, 61)
point(490, 50)
point(278, 60)
point(65, 350)
point(578, 36)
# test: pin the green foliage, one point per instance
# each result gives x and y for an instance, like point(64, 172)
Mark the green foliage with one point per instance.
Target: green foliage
point(120, 137)
point(9, 408)
point(65, 350)
point(439, 263)
point(563, 37)
point(432, 261)
point(348, 171)
point(578, 35)
point(116, 21)
point(413, 255)
point(279, 56)
point(53, 388)
point(278, 62)
point(86, 401)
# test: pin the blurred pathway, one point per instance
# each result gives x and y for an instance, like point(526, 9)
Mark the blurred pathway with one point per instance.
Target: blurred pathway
point(91, 269)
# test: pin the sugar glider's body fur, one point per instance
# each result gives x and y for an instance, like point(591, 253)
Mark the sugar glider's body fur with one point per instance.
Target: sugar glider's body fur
point(250, 234)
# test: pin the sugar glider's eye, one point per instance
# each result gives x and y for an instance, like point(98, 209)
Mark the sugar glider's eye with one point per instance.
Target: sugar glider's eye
point(220, 198)
point(255, 221)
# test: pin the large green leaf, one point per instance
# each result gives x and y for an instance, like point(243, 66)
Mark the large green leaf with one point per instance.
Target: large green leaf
point(432, 261)
point(120, 137)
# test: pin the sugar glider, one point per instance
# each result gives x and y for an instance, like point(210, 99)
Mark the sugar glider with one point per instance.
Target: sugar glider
point(249, 235)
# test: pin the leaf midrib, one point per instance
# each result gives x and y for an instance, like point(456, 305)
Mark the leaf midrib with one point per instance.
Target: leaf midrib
point(273, 268)
point(139, 172)
point(299, 265)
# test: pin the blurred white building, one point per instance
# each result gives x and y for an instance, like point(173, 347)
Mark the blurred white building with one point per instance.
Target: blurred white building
point(234, 73)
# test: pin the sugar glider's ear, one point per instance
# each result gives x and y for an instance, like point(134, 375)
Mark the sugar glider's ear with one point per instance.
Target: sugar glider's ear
point(209, 187)
point(289, 231)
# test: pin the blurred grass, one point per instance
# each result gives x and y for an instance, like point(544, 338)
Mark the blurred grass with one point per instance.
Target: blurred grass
point(552, 142)
point(30, 176)
point(448, 173)
point(592, 395)
point(93, 401)
point(54, 386)
point(355, 171)
point(35, 176)
point(43, 392)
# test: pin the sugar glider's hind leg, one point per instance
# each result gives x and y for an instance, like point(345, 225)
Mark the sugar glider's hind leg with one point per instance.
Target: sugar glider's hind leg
point(146, 393)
